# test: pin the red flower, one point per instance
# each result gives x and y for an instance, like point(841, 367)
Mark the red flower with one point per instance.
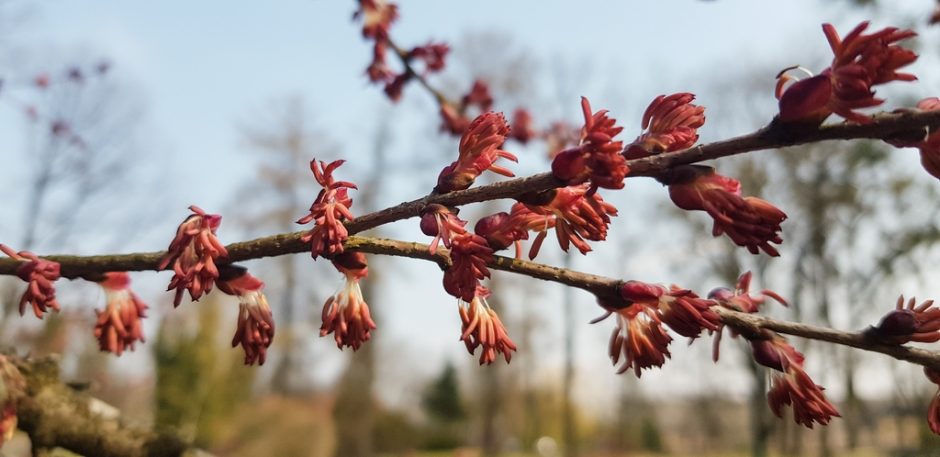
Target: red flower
point(522, 129)
point(479, 150)
point(559, 137)
point(452, 121)
point(432, 54)
point(670, 123)
point(503, 229)
point(790, 385)
point(119, 325)
point(378, 70)
point(438, 221)
point(346, 314)
point(377, 17)
point(860, 62)
point(255, 329)
point(328, 211)
point(919, 323)
point(194, 252)
point(481, 326)
point(478, 96)
point(597, 158)
point(739, 300)
point(40, 274)
point(680, 309)
point(579, 216)
point(469, 254)
point(749, 221)
point(454, 118)
point(639, 338)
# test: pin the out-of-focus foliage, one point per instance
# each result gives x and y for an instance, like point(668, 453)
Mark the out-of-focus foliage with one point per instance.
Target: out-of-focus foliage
point(200, 382)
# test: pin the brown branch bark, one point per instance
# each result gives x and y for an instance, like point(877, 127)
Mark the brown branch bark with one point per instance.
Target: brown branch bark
point(54, 415)
point(602, 287)
point(896, 126)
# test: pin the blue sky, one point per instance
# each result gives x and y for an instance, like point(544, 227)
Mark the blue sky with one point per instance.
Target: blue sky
point(202, 68)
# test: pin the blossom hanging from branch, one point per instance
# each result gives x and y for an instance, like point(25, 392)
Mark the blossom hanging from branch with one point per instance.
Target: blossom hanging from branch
point(40, 276)
point(790, 385)
point(481, 326)
point(346, 314)
point(255, 329)
point(118, 326)
point(749, 221)
point(194, 254)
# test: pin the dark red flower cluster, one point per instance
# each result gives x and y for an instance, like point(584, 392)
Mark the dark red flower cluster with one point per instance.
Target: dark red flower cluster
point(522, 129)
point(455, 119)
point(739, 299)
point(438, 221)
point(920, 323)
point(377, 17)
point(194, 252)
point(481, 326)
point(469, 254)
point(790, 385)
point(681, 309)
point(670, 123)
point(478, 152)
point(597, 158)
point(640, 338)
point(502, 229)
point(861, 61)
point(255, 329)
point(118, 326)
point(346, 314)
point(328, 211)
point(749, 221)
point(580, 216)
point(40, 276)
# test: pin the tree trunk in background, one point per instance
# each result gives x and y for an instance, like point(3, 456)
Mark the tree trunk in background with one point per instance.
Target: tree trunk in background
point(760, 420)
point(569, 431)
point(852, 408)
point(491, 391)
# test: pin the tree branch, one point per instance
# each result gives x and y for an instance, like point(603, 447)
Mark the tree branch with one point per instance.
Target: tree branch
point(600, 286)
point(908, 126)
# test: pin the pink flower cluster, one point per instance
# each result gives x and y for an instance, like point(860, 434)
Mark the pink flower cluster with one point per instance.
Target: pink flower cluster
point(118, 326)
point(346, 314)
point(790, 385)
point(669, 124)
point(40, 276)
point(920, 323)
point(749, 221)
point(478, 152)
point(481, 326)
point(328, 211)
point(255, 329)
point(597, 158)
point(194, 254)
point(860, 62)
point(640, 338)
